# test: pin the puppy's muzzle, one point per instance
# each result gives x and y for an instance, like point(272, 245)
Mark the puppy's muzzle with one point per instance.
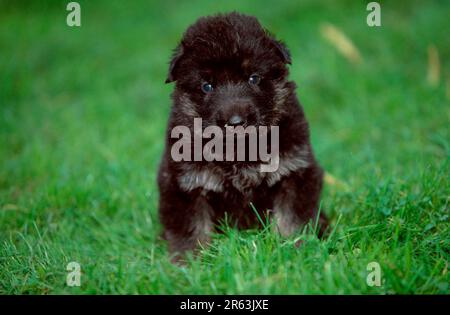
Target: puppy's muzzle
point(236, 112)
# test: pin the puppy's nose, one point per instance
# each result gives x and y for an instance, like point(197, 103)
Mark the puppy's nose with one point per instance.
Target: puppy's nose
point(236, 120)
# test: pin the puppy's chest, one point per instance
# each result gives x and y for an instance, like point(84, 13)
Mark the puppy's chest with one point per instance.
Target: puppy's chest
point(244, 180)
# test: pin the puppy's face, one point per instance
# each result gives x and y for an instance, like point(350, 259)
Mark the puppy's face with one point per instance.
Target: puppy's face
point(230, 70)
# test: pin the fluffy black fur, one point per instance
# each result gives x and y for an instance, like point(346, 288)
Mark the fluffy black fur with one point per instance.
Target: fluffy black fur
point(225, 50)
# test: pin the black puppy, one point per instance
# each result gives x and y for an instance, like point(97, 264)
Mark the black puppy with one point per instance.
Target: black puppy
point(230, 71)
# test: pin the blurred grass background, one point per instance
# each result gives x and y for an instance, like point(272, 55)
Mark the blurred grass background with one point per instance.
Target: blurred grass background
point(83, 113)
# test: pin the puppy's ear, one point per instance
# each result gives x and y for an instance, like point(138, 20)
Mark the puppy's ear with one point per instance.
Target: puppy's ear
point(282, 50)
point(176, 56)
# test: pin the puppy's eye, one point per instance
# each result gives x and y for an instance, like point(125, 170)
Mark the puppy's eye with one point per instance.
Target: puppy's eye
point(207, 87)
point(254, 79)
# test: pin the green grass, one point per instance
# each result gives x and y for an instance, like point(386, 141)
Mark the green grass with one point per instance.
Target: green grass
point(82, 120)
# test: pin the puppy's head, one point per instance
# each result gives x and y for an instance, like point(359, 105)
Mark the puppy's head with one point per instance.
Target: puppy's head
point(229, 71)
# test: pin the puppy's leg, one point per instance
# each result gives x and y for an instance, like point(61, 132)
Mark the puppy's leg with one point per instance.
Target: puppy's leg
point(186, 218)
point(296, 201)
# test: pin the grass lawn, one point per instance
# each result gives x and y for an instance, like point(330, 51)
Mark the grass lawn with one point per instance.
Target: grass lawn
point(83, 113)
